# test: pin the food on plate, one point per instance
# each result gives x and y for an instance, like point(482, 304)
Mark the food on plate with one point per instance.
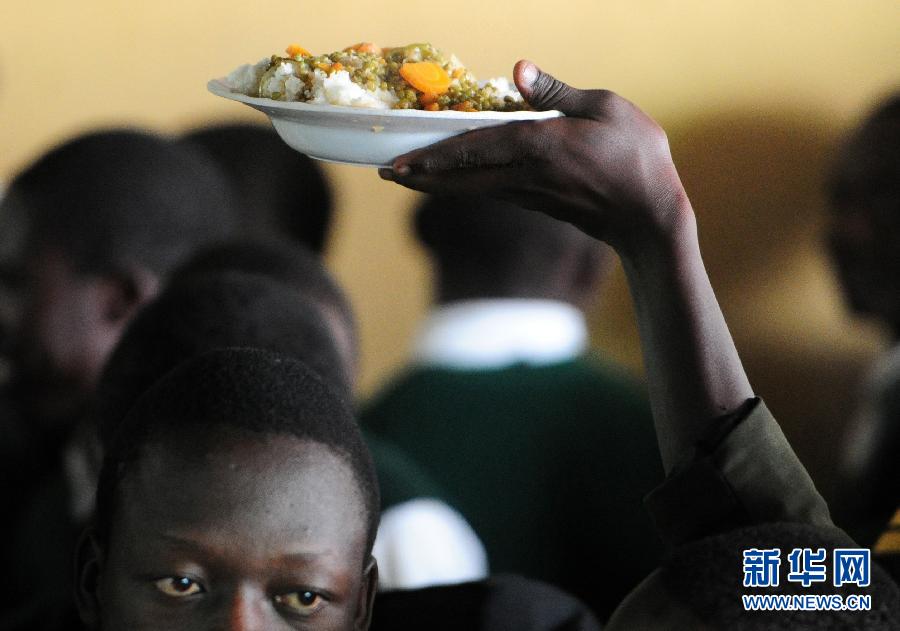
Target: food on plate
point(417, 76)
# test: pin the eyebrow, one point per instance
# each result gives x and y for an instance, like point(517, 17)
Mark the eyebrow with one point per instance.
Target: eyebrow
point(186, 542)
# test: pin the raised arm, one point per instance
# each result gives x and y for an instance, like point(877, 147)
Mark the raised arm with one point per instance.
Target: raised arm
point(606, 167)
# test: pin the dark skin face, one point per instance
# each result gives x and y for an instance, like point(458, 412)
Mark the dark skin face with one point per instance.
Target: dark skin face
point(57, 323)
point(55, 349)
point(246, 533)
point(63, 330)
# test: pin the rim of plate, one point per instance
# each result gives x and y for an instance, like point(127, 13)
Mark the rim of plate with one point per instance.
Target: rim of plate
point(220, 88)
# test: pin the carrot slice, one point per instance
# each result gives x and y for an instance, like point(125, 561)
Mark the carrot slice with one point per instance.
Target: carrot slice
point(364, 47)
point(465, 106)
point(427, 99)
point(426, 76)
point(295, 49)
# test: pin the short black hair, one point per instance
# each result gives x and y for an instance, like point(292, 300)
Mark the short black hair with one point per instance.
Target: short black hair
point(508, 250)
point(251, 390)
point(109, 200)
point(706, 576)
point(202, 312)
point(283, 260)
point(283, 192)
point(867, 168)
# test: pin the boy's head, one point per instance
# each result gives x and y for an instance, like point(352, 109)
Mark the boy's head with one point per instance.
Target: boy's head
point(283, 192)
point(105, 217)
point(485, 248)
point(296, 266)
point(864, 232)
point(204, 311)
point(237, 494)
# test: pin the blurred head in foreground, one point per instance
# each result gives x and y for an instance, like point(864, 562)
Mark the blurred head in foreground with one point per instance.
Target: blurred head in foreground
point(485, 248)
point(296, 266)
point(283, 192)
point(202, 312)
point(104, 218)
point(237, 493)
point(864, 234)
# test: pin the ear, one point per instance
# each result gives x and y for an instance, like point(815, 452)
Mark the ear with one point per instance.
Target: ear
point(367, 596)
point(125, 292)
point(88, 568)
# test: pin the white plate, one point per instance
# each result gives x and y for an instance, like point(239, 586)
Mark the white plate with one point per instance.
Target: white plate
point(365, 137)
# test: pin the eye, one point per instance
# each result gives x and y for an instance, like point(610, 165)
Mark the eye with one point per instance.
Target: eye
point(178, 586)
point(303, 603)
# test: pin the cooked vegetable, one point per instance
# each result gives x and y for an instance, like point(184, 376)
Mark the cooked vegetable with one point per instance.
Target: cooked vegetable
point(465, 106)
point(364, 47)
point(426, 99)
point(415, 76)
point(426, 76)
point(295, 50)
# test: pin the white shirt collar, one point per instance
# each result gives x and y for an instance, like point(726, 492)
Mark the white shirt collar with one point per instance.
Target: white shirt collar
point(485, 334)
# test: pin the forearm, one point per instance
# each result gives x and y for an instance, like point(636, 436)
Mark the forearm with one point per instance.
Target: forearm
point(693, 370)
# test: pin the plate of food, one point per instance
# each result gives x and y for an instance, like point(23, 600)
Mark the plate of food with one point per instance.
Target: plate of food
point(366, 105)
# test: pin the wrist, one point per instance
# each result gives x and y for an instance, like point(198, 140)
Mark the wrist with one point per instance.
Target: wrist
point(672, 232)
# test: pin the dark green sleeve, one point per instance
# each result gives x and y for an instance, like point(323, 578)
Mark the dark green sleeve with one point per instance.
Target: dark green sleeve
point(748, 476)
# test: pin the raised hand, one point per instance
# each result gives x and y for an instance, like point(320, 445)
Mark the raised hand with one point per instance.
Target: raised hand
point(605, 166)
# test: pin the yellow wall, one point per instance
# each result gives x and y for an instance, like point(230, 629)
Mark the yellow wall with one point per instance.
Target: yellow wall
point(752, 93)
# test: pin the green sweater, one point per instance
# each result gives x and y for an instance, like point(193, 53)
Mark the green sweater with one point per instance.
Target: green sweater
point(400, 479)
point(549, 465)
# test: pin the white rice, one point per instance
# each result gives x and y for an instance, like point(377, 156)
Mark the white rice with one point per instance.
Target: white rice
point(292, 89)
point(274, 85)
point(245, 79)
point(335, 89)
point(338, 89)
point(503, 88)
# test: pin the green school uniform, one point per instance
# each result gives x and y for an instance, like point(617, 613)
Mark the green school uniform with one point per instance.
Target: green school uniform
point(548, 463)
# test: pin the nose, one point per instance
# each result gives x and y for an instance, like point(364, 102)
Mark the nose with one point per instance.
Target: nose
point(249, 610)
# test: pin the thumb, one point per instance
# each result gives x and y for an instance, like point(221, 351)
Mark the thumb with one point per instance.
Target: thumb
point(544, 92)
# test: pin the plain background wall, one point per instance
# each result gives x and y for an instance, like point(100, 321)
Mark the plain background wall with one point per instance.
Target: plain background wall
point(753, 94)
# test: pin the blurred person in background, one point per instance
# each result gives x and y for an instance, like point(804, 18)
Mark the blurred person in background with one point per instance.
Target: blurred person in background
point(284, 192)
point(506, 407)
point(15, 436)
point(297, 266)
point(7, 297)
point(864, 241)
point(101, 220)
